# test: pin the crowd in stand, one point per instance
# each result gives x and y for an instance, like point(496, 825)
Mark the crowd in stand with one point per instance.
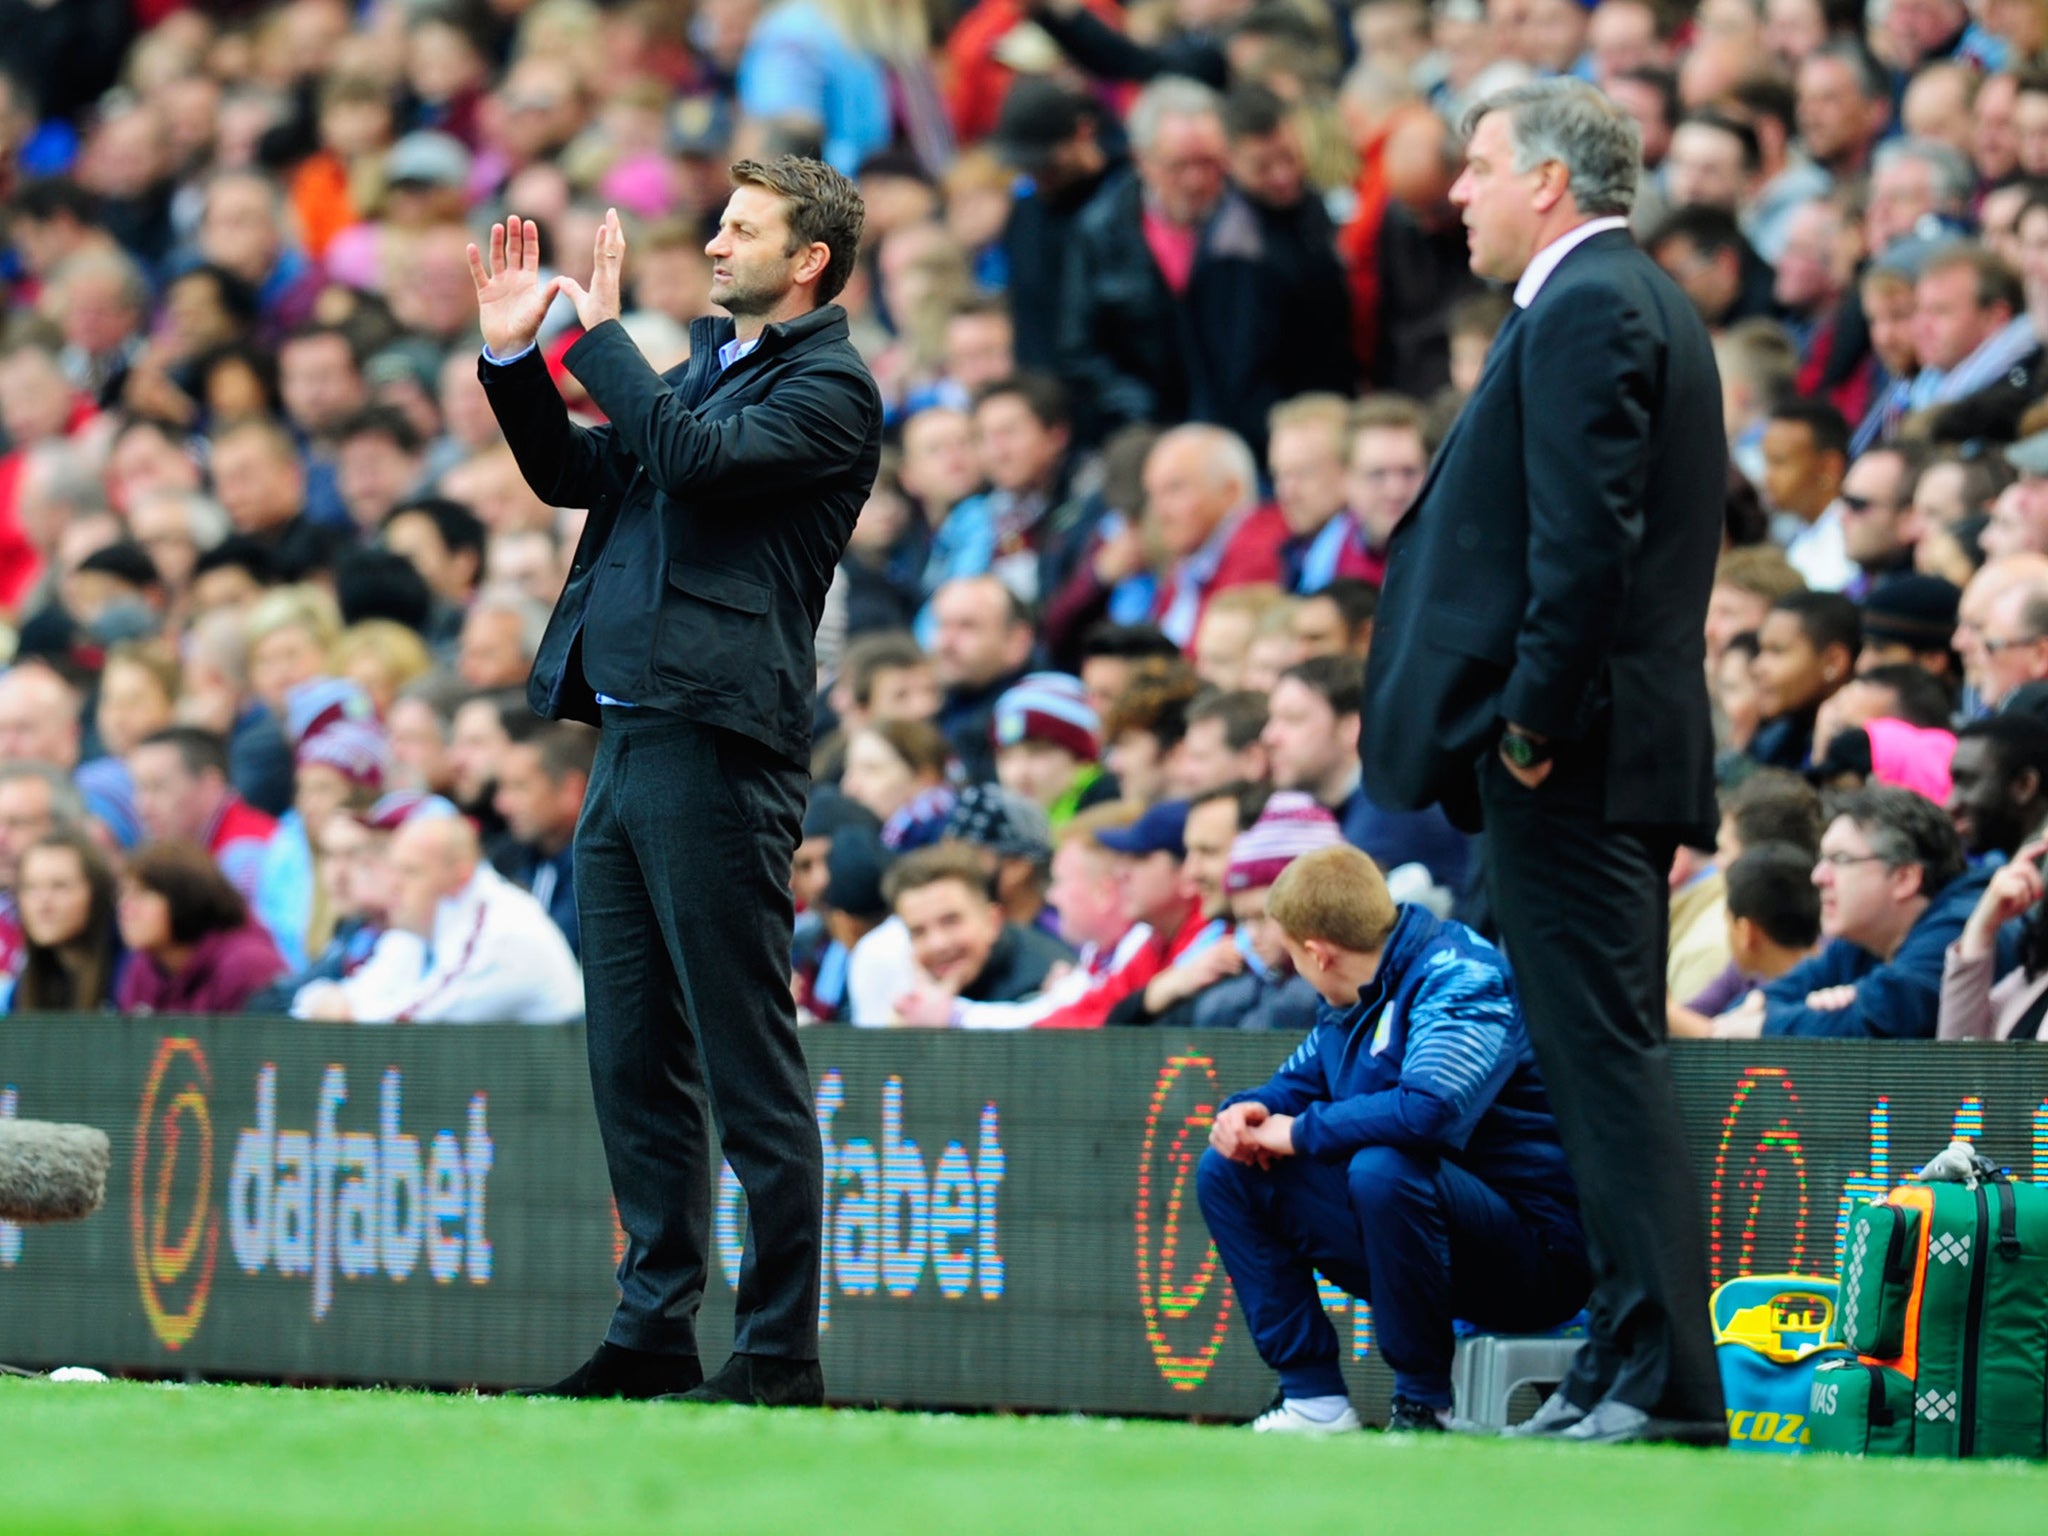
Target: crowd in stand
point(1170, 307)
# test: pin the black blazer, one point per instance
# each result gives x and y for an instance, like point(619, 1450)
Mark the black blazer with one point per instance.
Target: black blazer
point(720, 503)
point(1554, 569)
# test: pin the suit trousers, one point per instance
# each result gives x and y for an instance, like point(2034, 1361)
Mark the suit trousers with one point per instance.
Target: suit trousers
point(1582, 911)
point(1418, 1237)
point(682, 881)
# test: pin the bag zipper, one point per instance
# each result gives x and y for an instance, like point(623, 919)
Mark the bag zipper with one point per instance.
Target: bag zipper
point(1973, 1331)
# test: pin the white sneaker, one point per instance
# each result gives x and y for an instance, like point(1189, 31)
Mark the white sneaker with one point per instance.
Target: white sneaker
point(1285, 1419)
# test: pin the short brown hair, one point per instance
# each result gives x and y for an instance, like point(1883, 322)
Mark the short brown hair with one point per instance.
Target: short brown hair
point(1760, 570)
point(950, 860)
point(921, 745)
point(1994, 281)
point(1337, 895)
point(199, 895)
point(820, 204)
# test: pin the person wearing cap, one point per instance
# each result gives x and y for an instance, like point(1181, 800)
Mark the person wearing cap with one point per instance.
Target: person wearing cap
point(1262, 992)
point(340, 758)
point(1156, 897)
point(1052, 134)
point(1910, 620)
point(1015, 840)
point(838, 875)
point(1407, 1151)
point(1214, 820)
point(722, 494)
point(957, 933)
point(2019, 517)
point(1047, 740)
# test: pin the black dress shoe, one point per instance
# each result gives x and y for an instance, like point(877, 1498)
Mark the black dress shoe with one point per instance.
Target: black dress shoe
point(761, 1381)
point(1408, 1417)
point(615, 1371)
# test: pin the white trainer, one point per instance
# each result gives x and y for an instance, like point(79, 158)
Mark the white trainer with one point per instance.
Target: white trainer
point(1283, 1418)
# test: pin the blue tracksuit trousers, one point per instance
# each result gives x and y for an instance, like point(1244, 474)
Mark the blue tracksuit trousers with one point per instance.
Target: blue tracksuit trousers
point(1419, 1238)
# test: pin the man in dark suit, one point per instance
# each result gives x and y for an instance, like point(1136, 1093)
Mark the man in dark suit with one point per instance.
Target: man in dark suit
point(721, 496)
point(1538, 666)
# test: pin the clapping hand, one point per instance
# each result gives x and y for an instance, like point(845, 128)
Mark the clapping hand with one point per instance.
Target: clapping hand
point(511, 300)
point(600, 302)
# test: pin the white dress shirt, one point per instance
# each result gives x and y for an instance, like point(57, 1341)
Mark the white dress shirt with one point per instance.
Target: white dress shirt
point(1545, 261)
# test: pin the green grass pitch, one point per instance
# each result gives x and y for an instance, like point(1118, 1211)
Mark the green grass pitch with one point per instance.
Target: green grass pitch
point(218, 1460)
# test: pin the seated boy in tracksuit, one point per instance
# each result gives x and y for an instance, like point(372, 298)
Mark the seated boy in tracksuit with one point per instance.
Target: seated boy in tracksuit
point(1406, 1150)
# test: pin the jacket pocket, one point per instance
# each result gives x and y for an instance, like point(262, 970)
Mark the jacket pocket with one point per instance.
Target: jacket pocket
point(713, 628)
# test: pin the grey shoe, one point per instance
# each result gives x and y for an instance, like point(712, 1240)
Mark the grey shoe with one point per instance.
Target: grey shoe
point(1558, 1414)
point(1613, 1423)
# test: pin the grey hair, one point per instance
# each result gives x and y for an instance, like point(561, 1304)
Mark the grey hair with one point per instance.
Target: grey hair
point(532, 616)
point(67, 805)
point(1569, 121)
point(1168, 96)
point(1229, 458)
point(1954, 177)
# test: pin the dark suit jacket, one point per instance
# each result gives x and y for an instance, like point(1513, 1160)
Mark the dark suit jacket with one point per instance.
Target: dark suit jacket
point(1244, 336)
point(1554, 569)
point(720, 503)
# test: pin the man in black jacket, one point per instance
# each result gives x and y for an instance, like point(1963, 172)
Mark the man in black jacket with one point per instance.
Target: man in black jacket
point(721, 497)
point(1538, 664)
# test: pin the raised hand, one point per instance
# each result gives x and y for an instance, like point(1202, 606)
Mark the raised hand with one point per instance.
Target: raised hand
point(2011, 892)
point(511, 300)
point(600, 302)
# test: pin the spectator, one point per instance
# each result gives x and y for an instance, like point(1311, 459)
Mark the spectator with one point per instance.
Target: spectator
point(1014, 841)
point(1221, 744)
point(465, 945)
point(350, 848)
point(379, 459)
point(1909, 620)
point(1977, 1002)
point(957, 932)
point(1993, 410)
point(1337, 621)
point(818, 957)
point(1705, 254)
point(1879, 525)
point(444, 540)
point(1806, 650)
point(981, 643)
point(500, 638)
point(2014, 644)
point(1176, 304)
point(1970, 328)
point(71, 950)
point(1308, 441)
point(138, 695)
point(1894, 894)
point(36, 801)
point(40, 723)
point(1110, 656)
point(258, 476)
point(1772, 917)
point(1998, 796)
point(1383, 474)
point(193, 947)
point(1157, 898)
point(1390, 1170)
point(897, 769)
point(1844, 107)
point(1806, 453)
point(1311, 738)
point(1746, 583)
point(1145, 726)
point(1214, 823)
point(291, 635)
point(1201, 486)
point(541, 784)
point(1052, 134)
point(1267, 994)
point(182, 795)
point(1223, 640)
point(382, 657)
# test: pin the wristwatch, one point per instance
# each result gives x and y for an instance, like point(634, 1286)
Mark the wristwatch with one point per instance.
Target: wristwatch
point(1523, 751)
